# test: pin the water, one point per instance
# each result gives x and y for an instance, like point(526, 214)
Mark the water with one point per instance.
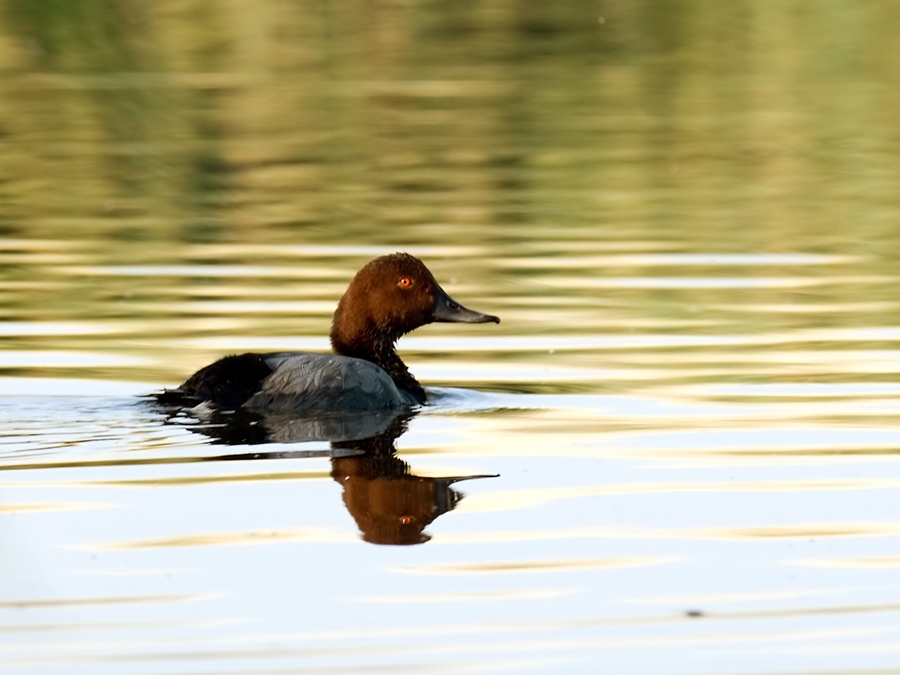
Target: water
point(676, 454)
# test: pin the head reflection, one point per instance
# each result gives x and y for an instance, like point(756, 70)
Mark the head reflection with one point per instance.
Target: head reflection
point(390, 504)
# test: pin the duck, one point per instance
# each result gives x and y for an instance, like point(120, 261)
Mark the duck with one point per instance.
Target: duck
point(389, 297)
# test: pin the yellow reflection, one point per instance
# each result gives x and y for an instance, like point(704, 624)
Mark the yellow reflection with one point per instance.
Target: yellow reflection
point(315, 251)
point(487, 596)
point(537, 565)
point(82, 626)
point(697, 282)
point(798, 390)
point(19, 258)
point(808, 308)
point(292, 343)
point(203, 480)
point(32, 285)
point(756, 596)
point(68, 359)
point(674, 436)
point(38, 244)
point(671, 260)
point(818, 357)
point(213, 271)
point(116, 600)
point(507, 536)
point(580, 245)
point(711, 347)
point(796, 531)
point(311, 534)
point(522, 499)
point(462, 371)
point(45, 328)
point(260, 307)
point(143, 461)
point(236, 289)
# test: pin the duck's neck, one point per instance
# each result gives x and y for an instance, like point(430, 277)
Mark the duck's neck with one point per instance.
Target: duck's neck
point(383, 354)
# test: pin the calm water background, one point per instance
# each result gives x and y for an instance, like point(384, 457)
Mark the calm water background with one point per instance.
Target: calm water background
point(686, 214)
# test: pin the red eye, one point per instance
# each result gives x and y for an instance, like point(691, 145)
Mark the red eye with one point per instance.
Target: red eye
point(405, 282)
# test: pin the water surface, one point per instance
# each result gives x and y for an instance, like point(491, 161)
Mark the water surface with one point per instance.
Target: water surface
point(676, 454)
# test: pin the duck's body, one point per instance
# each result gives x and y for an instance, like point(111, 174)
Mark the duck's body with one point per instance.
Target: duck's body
point(298, 382)
point(389, 297)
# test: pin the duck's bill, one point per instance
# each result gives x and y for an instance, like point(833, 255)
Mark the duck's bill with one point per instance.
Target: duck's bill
point(446, 309)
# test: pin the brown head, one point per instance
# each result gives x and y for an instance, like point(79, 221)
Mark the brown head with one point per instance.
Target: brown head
point(389, 297)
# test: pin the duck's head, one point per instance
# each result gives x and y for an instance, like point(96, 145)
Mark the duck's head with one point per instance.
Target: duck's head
point(389, 297)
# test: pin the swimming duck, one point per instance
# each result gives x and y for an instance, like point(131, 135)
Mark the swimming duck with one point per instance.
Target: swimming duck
point(389, 297)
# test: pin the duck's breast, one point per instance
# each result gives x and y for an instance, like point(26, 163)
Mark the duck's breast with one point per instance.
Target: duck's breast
point(303, 382)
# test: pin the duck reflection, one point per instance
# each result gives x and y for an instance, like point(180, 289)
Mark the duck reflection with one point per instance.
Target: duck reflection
point(389, 503)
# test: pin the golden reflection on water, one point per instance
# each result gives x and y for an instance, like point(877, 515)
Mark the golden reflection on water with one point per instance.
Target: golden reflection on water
point(310, 535)
point(683, 213)
point(488, 596)
point(114, 600)
point(205, 480)
point(598, 262)
point(13, 508)
point(506, 567)
point(138, 482)
point(522, 499)
point(722, 598)
point(739, 534)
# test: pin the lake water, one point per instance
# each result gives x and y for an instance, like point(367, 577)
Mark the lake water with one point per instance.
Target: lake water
point(678, 452)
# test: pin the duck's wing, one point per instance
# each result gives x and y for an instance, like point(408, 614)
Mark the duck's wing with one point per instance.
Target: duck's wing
point(301, 382)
